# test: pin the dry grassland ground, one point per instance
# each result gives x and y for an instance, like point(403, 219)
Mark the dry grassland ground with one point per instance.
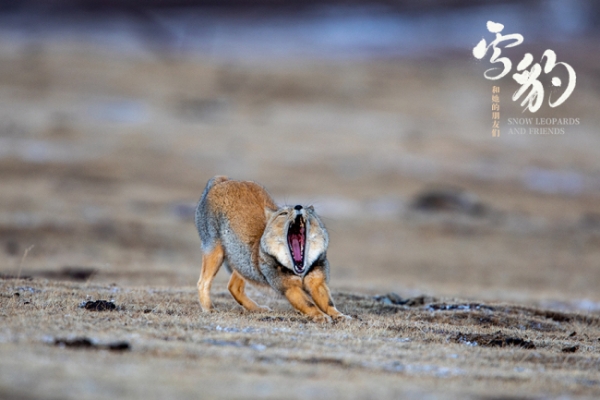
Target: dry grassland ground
point(103, 155)
point(155, 343)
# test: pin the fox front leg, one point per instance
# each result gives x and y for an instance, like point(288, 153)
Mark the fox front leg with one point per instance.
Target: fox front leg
point(291, 287)
point(315, 283)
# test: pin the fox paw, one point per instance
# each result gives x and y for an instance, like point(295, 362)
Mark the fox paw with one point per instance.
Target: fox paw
point(321, 318)
point(342, 317)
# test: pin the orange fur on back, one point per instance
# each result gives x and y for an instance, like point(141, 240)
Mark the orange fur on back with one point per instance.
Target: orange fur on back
point(242, 203)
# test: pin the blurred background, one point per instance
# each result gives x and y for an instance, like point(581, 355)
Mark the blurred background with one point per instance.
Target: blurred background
point(114, 114)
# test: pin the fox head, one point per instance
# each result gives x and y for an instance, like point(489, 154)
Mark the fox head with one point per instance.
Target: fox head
point(295, 237)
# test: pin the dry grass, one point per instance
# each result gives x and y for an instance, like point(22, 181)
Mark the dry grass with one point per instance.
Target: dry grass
point(438, 347)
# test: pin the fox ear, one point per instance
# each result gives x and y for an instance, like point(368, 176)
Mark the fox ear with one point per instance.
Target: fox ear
point(269, 212)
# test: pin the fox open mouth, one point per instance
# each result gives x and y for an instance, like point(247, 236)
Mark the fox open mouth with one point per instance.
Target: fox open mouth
point(296, 237)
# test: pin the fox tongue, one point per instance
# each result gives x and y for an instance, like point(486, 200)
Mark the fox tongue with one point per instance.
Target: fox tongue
point(296, 250)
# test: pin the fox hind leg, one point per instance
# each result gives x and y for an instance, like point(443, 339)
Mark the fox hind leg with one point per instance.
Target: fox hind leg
point(237, 286)
point(211, 262)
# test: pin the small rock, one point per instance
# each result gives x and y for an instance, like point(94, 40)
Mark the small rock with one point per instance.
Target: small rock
point(449, 199)
point(87, 343)
point(99, 305)
point(570, 349)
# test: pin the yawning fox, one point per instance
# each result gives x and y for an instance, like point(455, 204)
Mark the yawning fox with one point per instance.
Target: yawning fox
point(283, 247)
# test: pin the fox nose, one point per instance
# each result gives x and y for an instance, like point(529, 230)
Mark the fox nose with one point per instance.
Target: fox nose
point(298, 207)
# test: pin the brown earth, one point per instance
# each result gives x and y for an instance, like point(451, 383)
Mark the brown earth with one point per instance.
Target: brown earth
point(104, 154)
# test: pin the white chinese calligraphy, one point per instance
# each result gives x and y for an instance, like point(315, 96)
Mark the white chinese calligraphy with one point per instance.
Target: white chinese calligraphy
point(527, 75)
point(482, 48)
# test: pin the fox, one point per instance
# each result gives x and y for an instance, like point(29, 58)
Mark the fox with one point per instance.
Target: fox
point(261, 243)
